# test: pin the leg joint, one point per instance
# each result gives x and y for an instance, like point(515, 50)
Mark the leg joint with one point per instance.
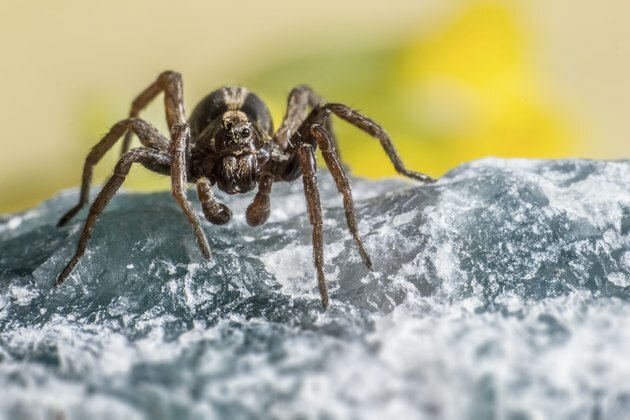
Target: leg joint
point(170, 76)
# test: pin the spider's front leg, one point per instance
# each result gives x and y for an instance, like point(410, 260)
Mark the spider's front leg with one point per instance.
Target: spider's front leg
point(313, 132)
point(306, 156)
point(145, 156)
point(180, 154)
point(308, 137)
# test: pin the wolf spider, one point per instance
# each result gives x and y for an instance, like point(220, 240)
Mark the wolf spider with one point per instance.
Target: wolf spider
point(229, 142)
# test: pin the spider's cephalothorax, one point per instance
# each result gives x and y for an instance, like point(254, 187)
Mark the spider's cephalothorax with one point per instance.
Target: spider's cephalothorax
point(229, 142)
point(231, 138)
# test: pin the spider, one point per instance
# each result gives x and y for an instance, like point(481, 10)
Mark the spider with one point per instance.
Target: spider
point(229, 142)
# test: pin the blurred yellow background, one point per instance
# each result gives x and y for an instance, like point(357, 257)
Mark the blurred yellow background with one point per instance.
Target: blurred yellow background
point(451, 80)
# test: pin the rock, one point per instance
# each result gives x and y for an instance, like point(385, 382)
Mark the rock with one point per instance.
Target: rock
point(502, 290)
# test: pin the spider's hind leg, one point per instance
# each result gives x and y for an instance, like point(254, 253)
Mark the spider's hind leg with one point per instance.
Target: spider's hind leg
point(375, 130)
point(171, 84)
point(300, 99)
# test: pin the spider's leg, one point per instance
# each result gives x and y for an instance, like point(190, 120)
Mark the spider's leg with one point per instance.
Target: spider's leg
point(149, 136)
point(215, 212)
point(180, 152)
point(372, 128)
point(300, 99)
point(306, 155)
point(258, 211)
point(170, 83)
point(324, 141)
point(140, 155)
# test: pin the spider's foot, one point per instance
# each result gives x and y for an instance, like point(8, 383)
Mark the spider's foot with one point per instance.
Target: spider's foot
point(418, 176)
point(325, 303)
point(323, 293)
point(205, 251)
point(64, 274)
point(364, 255)
point(366, 259)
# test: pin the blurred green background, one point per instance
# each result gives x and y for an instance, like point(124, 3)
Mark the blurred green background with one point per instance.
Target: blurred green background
point(451, 80)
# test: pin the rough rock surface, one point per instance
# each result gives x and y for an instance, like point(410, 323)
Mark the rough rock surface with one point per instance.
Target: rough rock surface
point(501, 291)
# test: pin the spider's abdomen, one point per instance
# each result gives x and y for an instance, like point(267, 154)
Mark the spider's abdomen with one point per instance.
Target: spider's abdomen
point(229, 98)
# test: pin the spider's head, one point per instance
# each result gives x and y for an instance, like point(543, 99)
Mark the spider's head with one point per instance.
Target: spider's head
point(243, 148)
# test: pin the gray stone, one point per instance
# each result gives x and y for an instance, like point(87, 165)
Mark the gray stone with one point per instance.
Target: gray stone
point(501, 291)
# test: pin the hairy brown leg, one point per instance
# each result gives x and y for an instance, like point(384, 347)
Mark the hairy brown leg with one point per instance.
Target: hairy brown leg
point(301, 145)
point(149, 136)
point(258, 211)
point(306, 155)
point(179, 150)
point(375, 130)
point(325, 143)
point(140, 155)
point(215, 212)
point(171, 84)
point(300, 99)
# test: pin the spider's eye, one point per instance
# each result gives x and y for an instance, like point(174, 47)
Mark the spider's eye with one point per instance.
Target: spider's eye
point(245, 133)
